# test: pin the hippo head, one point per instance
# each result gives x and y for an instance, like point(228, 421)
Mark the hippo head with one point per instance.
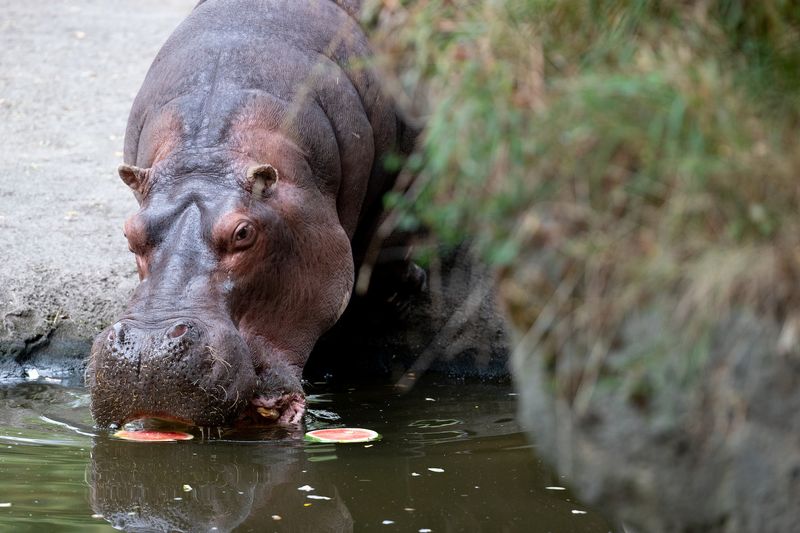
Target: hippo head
point(243, 264)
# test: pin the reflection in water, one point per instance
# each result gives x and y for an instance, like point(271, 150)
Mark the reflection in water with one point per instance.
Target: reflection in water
point(434, 423)
point(207, 486)
point(438, 437)
point(458, 463)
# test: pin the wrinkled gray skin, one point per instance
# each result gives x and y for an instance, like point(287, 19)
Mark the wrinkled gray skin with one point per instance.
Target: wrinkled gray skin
point(254, 148)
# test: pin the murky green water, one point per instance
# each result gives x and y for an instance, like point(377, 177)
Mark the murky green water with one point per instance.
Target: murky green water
point(452, 458)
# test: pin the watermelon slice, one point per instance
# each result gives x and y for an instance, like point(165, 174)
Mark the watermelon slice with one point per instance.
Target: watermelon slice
point(153, 436)
point(342, 435)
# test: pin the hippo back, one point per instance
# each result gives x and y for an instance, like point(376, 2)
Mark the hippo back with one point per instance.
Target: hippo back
point(304, 65)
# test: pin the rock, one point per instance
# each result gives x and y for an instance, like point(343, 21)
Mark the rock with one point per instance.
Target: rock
point(717, 453)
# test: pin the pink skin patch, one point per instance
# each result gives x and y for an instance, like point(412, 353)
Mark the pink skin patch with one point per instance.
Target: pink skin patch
point(287, 410)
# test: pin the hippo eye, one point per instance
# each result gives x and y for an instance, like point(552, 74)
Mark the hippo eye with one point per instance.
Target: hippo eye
point(244, 234)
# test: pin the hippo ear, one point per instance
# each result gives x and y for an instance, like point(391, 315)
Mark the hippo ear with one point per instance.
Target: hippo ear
point(261, 180)
point(135, 178)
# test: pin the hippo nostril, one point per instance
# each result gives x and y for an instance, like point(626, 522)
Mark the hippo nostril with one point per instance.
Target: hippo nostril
point(178, 331)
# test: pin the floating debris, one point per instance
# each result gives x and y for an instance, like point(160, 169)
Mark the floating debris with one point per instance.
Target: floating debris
point(437, 470)
point(270, 414)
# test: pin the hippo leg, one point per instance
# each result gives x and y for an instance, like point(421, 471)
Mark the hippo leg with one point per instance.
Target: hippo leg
point(395, 275)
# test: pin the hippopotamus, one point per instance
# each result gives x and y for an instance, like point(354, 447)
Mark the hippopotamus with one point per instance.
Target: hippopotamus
point(255, 148)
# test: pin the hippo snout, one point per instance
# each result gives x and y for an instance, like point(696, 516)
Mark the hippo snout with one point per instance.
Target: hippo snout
point(181, 369)
point(126, 339)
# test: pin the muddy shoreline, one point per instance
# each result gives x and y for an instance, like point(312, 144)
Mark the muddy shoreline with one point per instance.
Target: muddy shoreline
point(70, 72)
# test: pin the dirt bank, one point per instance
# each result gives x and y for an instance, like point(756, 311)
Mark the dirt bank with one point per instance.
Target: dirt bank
point(708, 447)
point(69, 73)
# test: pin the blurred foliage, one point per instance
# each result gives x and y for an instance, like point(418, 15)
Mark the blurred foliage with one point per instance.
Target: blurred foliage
point(629, 149)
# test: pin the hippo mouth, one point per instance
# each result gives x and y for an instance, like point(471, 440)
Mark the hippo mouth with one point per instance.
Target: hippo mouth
point(285, 409)
point(204, 377)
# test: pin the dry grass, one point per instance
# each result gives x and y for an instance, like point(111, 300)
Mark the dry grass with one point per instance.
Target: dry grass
point(646, 150)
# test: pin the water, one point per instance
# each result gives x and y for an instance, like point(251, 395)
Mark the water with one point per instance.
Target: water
point(452, 458)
